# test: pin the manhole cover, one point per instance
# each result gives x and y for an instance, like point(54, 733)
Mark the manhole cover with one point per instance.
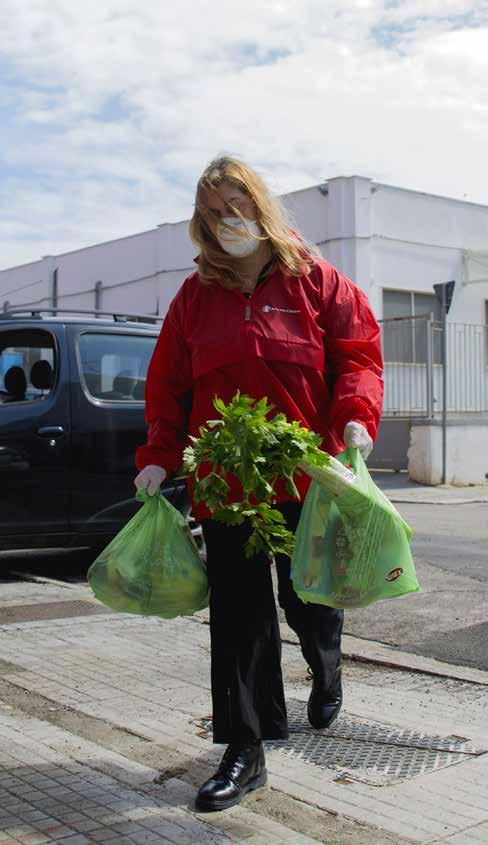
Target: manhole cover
point(49, 610)
point(369, 751)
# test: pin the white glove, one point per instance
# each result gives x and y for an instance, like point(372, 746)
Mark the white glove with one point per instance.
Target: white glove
point(356, 437)
point(150, 478)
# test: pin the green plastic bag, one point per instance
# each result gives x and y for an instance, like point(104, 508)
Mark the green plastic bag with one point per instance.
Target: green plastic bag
point(152, 567)
point(352, 546)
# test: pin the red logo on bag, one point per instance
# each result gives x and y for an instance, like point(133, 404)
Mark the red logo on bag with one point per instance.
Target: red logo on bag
point(394, 573)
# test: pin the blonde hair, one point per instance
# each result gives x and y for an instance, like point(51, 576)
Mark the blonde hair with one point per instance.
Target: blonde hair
point(289, 249)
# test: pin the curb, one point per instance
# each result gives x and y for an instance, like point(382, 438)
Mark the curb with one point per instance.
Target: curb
point(369, 651)
point(425, 501)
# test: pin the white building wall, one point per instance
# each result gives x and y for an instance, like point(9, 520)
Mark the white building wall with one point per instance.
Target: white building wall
point(309, 212)
point(125, 267)
point(416, 217)
point(27, 283)
point(175, 260)
point(464, 465)
point(408, 267)
point(418, 241)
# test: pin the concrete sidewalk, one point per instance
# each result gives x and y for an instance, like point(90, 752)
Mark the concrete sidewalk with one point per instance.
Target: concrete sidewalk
point(105, 737)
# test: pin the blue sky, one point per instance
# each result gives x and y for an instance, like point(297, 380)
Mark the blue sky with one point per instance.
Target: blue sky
point(109, 112)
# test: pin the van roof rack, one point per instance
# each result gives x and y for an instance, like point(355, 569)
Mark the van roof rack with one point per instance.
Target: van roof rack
point(117, 316)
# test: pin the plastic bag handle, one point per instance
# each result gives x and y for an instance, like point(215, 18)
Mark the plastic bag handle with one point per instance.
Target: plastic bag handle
point(351, 454)
point(143, 496)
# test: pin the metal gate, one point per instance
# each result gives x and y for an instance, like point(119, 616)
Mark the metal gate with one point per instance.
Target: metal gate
point(412, 353)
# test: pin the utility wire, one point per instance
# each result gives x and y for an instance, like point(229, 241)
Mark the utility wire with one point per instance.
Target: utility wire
point(106, 287)
point(24, 287)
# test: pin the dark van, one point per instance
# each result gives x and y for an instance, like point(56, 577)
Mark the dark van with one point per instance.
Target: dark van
point(71, 416)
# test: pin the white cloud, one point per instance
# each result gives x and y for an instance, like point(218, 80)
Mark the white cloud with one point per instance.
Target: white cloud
point(111, 111)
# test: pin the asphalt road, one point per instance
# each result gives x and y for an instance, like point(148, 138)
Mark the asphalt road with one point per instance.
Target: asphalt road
point(452, 537)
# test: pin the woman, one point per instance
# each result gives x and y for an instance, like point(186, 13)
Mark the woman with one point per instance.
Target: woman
point(265, 314)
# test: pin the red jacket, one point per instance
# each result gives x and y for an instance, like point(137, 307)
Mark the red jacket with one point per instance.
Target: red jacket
point(310, 344)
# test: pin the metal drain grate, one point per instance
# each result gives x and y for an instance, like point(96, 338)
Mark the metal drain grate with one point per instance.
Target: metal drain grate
point(350, 727)
point(49, 610)
point(369, 751)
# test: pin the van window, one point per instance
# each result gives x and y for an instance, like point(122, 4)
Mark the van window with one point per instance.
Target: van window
point(27, 365)
point(114, 365)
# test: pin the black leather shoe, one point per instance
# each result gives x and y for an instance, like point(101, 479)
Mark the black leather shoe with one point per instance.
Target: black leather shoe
point(324, 704)
point(242, 769)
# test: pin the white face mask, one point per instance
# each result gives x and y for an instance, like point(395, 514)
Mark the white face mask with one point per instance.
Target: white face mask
point(237, 244)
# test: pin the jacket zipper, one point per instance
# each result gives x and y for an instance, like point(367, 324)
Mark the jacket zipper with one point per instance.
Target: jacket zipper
point(260, 278)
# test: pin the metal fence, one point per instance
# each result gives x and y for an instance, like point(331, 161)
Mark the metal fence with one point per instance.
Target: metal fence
point(412, 351)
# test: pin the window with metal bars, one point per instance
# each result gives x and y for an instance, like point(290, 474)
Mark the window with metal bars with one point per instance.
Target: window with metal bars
point(405, 326)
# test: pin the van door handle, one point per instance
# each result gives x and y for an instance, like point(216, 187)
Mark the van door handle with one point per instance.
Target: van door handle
point(50, 431)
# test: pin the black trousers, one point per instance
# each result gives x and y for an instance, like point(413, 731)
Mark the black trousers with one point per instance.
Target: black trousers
point(247, 682)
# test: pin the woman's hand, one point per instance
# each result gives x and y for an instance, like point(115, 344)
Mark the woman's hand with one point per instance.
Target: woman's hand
point(150, 478)
point(356, 437)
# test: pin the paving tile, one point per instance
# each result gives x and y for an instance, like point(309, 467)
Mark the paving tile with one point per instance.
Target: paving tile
point(33, 816)
point(471, 836)
point(145, 837)
point(103, 834)
point(57, 831)
point(19, 830)
point(84, 825)
point(34, 839)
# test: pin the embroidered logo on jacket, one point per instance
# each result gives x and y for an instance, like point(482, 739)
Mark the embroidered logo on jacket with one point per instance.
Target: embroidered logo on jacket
point(267, 308)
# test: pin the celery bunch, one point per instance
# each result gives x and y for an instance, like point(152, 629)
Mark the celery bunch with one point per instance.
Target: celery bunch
point(257, 451)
